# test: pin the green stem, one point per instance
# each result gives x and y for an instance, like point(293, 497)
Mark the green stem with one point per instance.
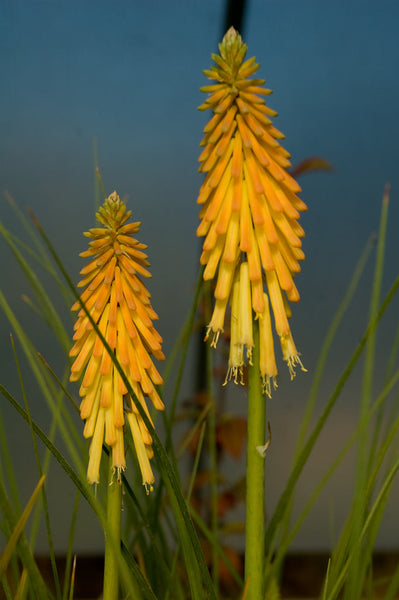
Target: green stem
point(213, 455)
point(114, 498)
point(213, 477)
point(255, 487)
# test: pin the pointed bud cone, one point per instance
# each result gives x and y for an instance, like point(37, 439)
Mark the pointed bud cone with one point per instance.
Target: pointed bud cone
point(119, 304)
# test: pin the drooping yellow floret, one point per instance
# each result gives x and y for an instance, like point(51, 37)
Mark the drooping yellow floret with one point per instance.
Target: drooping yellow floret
point(119, 304)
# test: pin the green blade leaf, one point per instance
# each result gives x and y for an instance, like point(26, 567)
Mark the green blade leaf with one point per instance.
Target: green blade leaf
point(19, 527)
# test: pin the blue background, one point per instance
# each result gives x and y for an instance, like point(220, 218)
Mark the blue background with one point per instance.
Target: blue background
point(127, 75)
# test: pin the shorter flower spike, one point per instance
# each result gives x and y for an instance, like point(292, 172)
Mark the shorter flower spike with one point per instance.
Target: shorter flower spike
point(119, 304)
point(249, 214)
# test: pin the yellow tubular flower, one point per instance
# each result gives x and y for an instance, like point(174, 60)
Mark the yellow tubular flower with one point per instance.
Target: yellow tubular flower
point(249, 209)
point(236, 355)
point(267, 361)
point(241, 326)
point(120, 305)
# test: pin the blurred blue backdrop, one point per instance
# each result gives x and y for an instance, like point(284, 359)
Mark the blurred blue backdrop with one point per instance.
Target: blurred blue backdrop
point(126, 74)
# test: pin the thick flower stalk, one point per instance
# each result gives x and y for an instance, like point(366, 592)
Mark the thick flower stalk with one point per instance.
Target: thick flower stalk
point(249, 215)
point(119, 304)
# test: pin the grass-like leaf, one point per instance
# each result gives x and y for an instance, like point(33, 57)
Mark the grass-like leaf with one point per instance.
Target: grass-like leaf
point(50, 314)
point(41, 474)
point(11, 521)
point(357, 544)
point(18, 529)
point(192, 549)
point(82, 485)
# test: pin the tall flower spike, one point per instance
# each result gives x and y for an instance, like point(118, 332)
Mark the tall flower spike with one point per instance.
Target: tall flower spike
point(249, 209)
point(120, 305)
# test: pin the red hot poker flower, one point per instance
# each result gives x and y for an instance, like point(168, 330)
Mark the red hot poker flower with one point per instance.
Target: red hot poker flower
point(119, 303)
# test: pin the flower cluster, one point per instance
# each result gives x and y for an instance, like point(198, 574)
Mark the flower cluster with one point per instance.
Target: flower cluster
point(249, 215)
point(119, 304)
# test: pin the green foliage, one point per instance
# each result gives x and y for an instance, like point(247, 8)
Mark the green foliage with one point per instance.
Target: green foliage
point(171, 538)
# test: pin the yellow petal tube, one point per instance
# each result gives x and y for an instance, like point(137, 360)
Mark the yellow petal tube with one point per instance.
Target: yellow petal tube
point(249, 213)
point(245, 335)
point(268, 367)
point(236, 355)
point(290, 354)
point(119, 304)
